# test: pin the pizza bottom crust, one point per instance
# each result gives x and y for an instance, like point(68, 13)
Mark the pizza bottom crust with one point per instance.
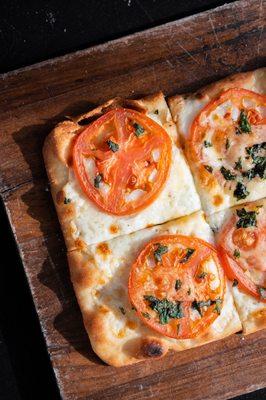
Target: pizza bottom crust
point(100, 274)
point(252, 312)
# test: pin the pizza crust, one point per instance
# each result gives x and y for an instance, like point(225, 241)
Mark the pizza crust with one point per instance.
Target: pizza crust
point(100, 277)
point(184, 109)
point(252, 312)
point(83, 223)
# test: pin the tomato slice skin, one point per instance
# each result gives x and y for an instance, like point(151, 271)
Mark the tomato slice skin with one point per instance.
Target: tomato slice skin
point(158, 281)
point(120, 145)
point(196, 151)
point(234, 272)
point(241, 245)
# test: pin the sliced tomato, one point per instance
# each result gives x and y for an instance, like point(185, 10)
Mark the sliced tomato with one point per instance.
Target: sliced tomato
point(221, 134)
point(242, 246)
point(122, 161)
point(177, 285)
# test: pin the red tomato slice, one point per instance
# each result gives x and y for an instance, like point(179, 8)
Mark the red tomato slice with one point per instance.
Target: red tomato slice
point(242, 245)
point(122, 161)
point(174, 289)
point(221, 135)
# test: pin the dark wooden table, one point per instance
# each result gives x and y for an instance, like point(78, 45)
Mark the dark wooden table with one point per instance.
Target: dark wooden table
point(29, 34)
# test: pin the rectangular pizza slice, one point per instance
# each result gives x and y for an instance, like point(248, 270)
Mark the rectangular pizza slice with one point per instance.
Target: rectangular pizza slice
point(240, 233)
point(157, 289)
point(223, 129)
point(117, 169)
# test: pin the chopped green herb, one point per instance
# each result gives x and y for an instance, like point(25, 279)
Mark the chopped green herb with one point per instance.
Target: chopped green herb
point(236, 253)
point(187, 256)
point(240, 191)
point(208, 168)
point(161, 249)
point(166, 309)
point(238, 164)
point(67, 200)
point(235, 282)
point(227, 174)
point(98, 178)
point(146, 315)
point(258, 154)
point(178, 284)
point(122, 310)
point(227, 144)
point(197, 305)
point(139, 130)
point(112, 146)
point(218, 306)
point(243, 123)
point(202, 275)
point(262, 292)
point(207, 144)
point(246, 218)
point(156, 112)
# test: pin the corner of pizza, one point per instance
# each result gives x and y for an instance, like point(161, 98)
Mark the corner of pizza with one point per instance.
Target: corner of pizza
point(157, 261)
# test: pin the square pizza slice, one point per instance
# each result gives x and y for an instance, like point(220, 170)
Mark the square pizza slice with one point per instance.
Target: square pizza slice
point(153, 290)
point(223, 128)
point(117, 169)
point(240, 234)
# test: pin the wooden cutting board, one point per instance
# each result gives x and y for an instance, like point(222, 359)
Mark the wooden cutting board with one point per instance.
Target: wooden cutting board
point(180, 56)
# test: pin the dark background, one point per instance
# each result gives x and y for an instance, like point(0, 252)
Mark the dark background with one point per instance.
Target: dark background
point(33, 31)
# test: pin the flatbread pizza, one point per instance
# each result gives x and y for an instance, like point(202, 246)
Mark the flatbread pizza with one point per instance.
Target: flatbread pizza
point(223, 127)
point(118, 169)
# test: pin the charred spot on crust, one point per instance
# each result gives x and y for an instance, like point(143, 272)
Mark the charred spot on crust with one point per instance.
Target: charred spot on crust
point(152, 348)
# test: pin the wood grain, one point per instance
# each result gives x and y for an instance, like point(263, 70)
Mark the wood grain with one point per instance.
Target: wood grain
point(176, 57)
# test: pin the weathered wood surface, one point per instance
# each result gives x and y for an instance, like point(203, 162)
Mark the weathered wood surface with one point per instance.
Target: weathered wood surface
point(176, 57)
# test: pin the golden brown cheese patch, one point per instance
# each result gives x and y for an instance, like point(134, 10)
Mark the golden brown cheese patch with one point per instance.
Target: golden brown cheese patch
point(114, 228)
point(103, 249)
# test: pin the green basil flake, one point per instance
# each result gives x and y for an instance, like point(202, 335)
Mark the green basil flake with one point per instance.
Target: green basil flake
point(139, 130)
point(146, 315)
point(227, 144)
point(202, 275)
point(238, 164)
point(236, 253)
point(218, 306)
point(262, 292)
point(258, 154)
point(165, 309)
point(235, 282)
point(207, 144)
point(161, 249)
point(240, 191)
point(208, 168)
point(122, 310)
point(156, 112)
point(178, 284)
point(112, 146)
point(198, 305)
point(67, 200)
point(98, 178)
point(227, 174)
point(187, 256)
point(243, 122)
point(246, 218)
